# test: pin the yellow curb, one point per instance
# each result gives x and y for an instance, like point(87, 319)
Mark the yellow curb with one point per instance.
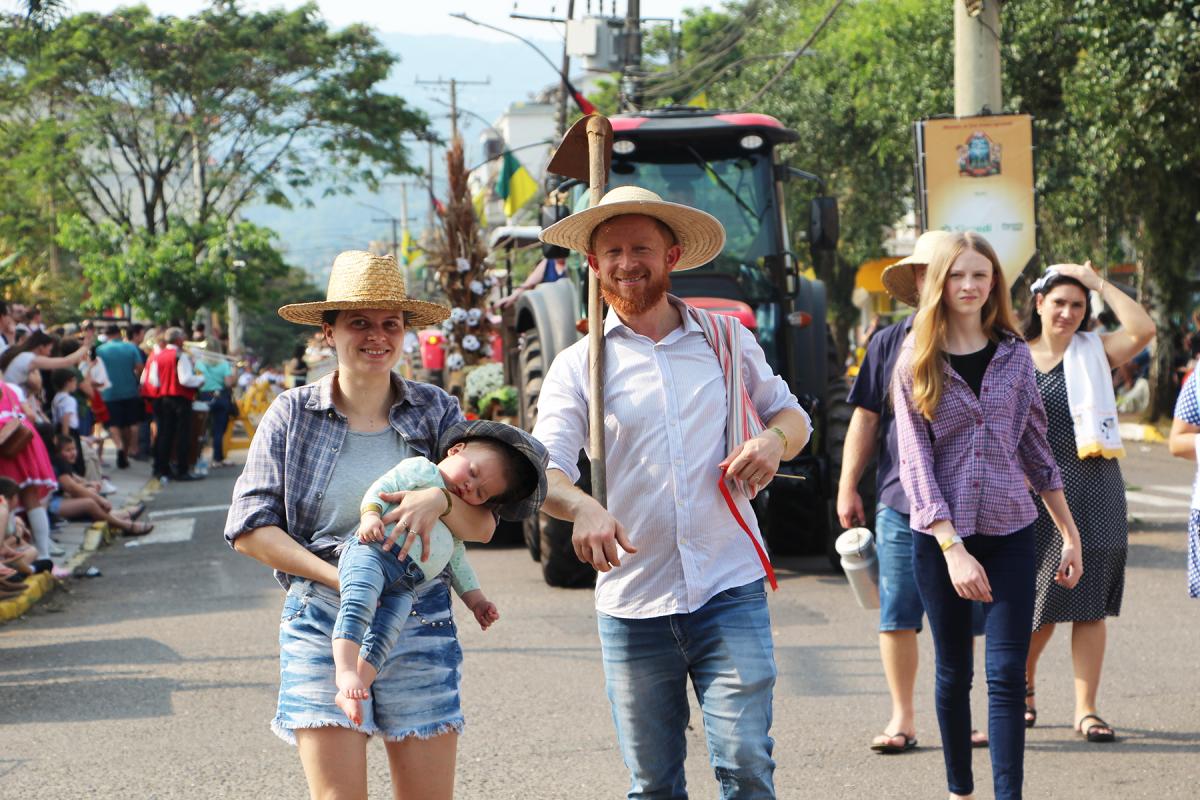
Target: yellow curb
point(93, 537)
point(37, 586)
point(1150, 433)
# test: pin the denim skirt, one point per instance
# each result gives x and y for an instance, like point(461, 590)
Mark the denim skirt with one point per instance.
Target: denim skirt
point(415, 694)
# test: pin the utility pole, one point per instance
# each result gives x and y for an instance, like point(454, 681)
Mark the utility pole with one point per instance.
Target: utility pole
point(454, 83)
point(633, 55)
point(395, 232)
point(977, 58)
point(566, 72)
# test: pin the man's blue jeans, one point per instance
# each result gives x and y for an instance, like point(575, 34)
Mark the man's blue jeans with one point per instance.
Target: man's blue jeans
point(725, 648)
point(1010, 567)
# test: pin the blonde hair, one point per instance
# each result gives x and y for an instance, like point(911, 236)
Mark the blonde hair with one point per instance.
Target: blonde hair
point(929, 324)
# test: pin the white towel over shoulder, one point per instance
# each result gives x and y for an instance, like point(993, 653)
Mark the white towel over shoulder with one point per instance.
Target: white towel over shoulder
point(1091, 398)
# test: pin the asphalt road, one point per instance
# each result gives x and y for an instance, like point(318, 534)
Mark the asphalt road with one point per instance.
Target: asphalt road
point(158, 680)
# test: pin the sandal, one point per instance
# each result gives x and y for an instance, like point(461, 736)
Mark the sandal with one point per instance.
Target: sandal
point(139, 529)
point(1030, 711)
point(1099, 731)
point(888, 748)
point(136, 511)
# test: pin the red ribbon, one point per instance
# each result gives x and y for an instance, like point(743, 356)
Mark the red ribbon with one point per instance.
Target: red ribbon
point(762, 555)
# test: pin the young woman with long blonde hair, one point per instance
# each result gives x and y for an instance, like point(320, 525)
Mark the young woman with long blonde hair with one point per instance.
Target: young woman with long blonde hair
point(972, 431)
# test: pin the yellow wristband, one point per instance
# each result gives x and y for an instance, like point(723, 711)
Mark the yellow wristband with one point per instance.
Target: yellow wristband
point(779, 432)
point(449, 503)
point(370, 508)
point(953, 540)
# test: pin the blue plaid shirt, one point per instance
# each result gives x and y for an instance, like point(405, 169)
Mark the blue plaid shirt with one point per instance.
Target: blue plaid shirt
point(296, 447)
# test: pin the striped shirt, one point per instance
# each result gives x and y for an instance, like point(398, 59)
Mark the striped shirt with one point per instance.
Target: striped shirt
point(969, 465)
point(665, 425)
point(295, 449)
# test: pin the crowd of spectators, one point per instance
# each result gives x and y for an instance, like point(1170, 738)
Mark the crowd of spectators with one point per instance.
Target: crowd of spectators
point(69, 392)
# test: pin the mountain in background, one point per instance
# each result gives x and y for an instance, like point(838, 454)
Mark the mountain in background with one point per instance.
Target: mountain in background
point(312, 236)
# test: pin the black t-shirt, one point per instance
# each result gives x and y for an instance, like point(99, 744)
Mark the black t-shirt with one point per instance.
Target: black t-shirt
point(970, 367)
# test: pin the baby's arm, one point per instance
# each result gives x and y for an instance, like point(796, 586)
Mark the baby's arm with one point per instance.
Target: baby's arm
point(466, 585)
point(370, 526)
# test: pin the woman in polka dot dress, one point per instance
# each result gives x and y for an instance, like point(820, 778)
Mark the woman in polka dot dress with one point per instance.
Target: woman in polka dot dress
point(1186, 444)
point(1093, 484)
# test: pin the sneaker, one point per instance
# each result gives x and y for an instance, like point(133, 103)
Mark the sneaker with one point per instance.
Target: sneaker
point(57, 550)
point(106, 487)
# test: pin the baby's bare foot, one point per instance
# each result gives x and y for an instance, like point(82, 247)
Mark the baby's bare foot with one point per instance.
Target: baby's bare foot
point(351, 707)
point(350, 691)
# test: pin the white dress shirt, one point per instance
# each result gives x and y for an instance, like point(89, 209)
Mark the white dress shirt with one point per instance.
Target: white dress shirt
point(665, 414)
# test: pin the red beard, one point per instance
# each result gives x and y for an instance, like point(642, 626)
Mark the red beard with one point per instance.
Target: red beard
point(637, 300)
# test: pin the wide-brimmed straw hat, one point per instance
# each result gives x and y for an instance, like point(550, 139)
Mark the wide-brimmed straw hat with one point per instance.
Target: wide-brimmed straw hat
point(700, 235)
point(362, 280)
point(900, 279)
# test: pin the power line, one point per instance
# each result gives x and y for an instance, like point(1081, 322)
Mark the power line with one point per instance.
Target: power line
point(799, 52)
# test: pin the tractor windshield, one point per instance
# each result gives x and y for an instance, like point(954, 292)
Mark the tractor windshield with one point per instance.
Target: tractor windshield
point(738, 191)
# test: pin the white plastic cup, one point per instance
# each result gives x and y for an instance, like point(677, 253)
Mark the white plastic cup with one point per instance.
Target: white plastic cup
point(857, 550)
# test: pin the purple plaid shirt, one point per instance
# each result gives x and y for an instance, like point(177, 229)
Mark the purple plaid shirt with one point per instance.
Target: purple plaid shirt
point(969, 465)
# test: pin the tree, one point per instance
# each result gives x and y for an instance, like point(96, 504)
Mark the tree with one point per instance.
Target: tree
point(158, 274)
point(269, 335)
point(161, 120)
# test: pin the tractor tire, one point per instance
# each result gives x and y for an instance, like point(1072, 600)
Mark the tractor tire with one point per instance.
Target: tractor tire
point(560, 566)
point(530, 372)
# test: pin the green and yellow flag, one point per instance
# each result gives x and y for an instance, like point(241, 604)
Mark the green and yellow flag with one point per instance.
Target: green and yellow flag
point(408, 248)
point(515, 185)
point(479, 201)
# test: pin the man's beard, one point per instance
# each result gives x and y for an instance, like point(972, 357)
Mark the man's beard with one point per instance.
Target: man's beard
point(637, 300)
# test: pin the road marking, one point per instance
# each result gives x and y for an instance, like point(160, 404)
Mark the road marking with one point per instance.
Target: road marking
point(1185, 491)
point(1159, 516)
point(167, 532)
point(1155, 500)
point(179, 512)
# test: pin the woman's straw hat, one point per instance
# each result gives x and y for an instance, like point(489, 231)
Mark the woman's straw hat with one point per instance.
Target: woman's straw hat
point(699, 234)
point(361, 280)
point(900, 279)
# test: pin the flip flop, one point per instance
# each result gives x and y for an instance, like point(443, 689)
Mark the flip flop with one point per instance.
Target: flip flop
point(979, 739)
point(1030, 711)
point(1090, 732)
point(887, 748)
point(139, 529)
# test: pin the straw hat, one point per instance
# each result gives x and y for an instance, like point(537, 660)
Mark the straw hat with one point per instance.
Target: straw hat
point(900, 279)
point(700, 235)
point(361, 280)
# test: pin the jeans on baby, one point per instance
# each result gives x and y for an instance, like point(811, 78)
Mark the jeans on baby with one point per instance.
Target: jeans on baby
point(377, 593)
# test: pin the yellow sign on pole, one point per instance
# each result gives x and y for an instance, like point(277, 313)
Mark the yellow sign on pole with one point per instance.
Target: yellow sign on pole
point(976, 174)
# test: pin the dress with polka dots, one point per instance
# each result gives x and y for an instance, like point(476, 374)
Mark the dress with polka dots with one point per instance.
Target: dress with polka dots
point(1187, 409)
point(1095, 494)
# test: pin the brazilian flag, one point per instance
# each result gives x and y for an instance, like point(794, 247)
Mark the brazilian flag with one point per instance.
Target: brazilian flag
point(515, 185)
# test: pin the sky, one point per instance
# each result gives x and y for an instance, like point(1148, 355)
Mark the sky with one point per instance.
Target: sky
point(423, 17)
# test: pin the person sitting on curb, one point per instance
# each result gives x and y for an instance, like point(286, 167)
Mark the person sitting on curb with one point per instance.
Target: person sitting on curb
point(76, 499)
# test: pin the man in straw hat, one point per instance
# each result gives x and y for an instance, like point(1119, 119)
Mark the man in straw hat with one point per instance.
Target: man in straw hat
point(873, 432)
point(680, 590)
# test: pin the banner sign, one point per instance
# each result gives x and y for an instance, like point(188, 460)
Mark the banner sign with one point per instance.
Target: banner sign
point(976, 174)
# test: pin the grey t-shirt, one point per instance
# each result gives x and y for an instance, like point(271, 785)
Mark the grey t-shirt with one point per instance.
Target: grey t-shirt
point(364, 457)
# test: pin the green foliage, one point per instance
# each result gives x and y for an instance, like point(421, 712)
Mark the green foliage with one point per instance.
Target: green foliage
point(160, 275)
point(266, 333)
point(1113, 88)
point(141, 126)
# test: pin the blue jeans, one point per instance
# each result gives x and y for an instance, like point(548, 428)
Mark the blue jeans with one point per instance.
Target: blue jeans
point(377, 593)
point(220, 405)
point(725, 648)
point(1009, 562)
